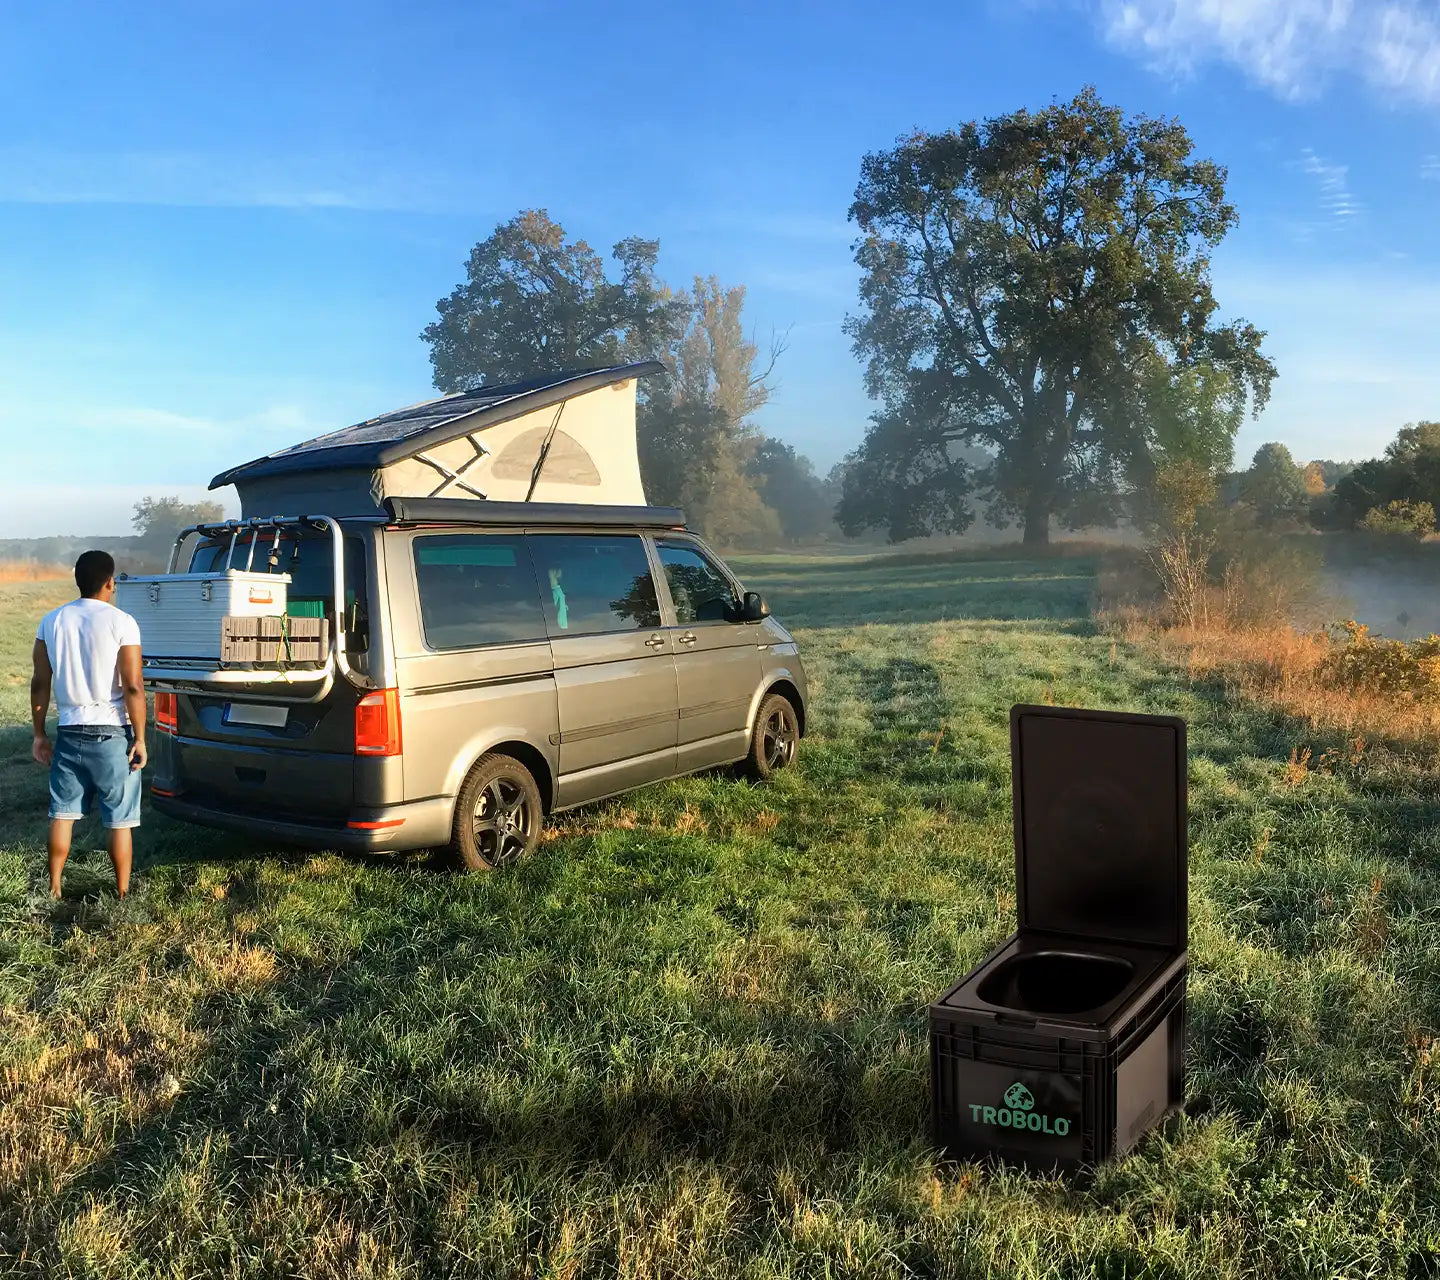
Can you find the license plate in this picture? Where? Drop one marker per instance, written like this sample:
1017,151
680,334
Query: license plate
256,713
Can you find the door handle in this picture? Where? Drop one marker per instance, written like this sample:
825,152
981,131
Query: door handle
655,642
687,638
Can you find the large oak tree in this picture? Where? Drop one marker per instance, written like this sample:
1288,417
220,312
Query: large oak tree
1037,287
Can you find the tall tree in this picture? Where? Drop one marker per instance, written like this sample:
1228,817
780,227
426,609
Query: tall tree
534,301
1038,285
695,432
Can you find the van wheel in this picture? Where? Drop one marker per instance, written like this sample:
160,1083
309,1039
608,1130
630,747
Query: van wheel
776,738
498,814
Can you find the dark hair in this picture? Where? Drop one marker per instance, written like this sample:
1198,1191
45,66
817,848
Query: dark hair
93,570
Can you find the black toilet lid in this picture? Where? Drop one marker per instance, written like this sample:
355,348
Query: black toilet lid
1100,824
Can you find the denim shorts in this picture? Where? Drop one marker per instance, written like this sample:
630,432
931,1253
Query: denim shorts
92,765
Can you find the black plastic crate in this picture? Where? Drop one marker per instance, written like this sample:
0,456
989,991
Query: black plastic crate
1057,1096
1067,1043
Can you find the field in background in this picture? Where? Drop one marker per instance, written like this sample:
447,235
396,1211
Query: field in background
688,1037
27,571
1391,585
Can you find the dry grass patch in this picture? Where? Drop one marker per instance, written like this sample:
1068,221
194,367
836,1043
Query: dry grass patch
58,1107
236,966
27,571
1295,672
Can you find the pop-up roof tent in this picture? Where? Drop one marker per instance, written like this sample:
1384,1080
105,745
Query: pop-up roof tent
563,437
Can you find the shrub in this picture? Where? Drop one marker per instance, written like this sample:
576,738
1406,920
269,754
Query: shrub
1267,580
1402,518
1392,668
1183,565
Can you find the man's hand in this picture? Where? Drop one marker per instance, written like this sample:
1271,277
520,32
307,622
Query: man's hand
42,751
139,757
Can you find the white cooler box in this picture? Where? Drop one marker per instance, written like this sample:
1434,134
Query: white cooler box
181,615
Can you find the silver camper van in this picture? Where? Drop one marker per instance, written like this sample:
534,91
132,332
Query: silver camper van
448,667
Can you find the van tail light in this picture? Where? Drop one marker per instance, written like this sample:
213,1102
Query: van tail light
167,715
377,724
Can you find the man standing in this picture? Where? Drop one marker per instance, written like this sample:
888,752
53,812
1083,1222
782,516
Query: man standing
90,652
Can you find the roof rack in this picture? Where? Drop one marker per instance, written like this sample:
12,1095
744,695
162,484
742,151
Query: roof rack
169,673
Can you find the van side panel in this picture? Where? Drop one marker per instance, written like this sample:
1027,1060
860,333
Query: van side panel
457,704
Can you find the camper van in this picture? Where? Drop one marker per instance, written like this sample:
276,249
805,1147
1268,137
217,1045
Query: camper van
446,666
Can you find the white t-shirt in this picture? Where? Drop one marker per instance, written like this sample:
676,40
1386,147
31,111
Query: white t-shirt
83,639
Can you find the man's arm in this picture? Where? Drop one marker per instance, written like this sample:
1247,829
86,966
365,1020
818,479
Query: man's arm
132,685
40,701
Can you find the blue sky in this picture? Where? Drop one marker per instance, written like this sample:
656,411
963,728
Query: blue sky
223,225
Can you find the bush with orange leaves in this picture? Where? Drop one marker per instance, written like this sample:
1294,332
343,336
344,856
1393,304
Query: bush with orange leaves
1375,665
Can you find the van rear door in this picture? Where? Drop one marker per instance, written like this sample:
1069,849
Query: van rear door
249,752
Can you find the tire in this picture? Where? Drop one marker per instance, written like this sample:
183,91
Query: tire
498,814
776,739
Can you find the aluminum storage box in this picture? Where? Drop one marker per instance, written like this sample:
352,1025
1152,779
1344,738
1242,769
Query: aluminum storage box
181,615
1066,1044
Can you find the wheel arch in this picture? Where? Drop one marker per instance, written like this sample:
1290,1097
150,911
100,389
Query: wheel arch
783,686
527,754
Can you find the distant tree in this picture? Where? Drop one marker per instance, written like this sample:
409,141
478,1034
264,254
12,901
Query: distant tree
534,301
157,520
1409,471
789,485
1038,285
696,435
1405,519
1313,476
1274,488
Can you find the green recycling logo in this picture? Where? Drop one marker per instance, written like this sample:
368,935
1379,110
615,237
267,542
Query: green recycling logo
1019,1113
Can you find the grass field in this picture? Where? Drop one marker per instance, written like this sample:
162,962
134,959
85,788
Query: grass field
688,1037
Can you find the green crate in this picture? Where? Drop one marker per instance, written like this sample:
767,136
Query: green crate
306,608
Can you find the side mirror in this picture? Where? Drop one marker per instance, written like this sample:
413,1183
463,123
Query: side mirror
753,607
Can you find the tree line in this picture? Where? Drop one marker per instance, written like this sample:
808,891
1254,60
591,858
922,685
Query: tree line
1036,324
1396,493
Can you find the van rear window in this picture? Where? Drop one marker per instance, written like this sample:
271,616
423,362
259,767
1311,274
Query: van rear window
477,589
309,560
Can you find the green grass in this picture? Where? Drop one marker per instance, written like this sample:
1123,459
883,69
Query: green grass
688,1037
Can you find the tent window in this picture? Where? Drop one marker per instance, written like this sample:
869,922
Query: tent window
566,463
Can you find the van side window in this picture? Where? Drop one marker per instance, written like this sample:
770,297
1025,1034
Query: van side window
699,589
593,583
476,589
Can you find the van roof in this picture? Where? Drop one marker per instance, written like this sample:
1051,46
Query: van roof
400,433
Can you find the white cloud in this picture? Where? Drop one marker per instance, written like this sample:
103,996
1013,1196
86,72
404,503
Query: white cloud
31,175
1430,168
1335,197
1292,47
